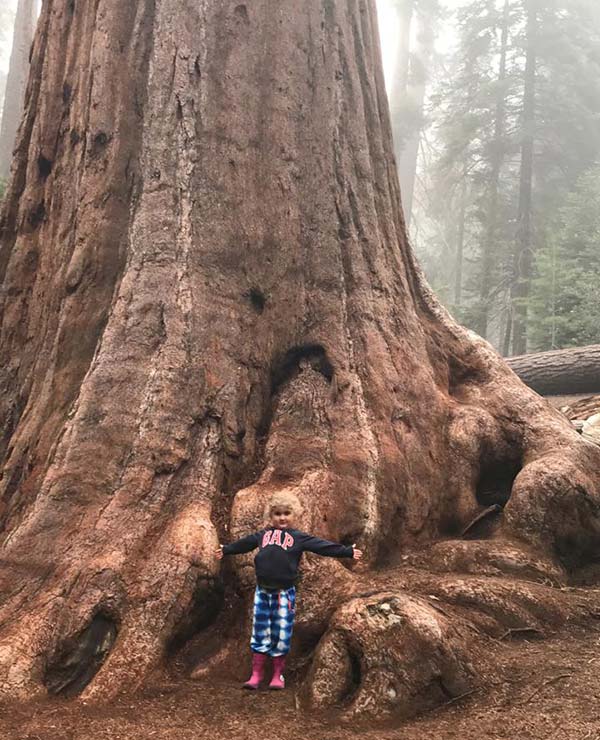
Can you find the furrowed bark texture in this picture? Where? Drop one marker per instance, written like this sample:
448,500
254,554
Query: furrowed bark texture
208,296
560,371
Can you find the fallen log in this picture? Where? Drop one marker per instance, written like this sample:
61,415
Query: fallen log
565,371
582,409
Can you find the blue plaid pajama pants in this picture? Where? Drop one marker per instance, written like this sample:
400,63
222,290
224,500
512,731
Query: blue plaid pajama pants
273,621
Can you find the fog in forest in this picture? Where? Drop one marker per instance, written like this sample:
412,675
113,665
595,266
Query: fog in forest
495,107
213,330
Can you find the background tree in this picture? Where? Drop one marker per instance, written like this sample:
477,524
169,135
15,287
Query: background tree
207,296
416,22
6,31
24,25
524,146
565,298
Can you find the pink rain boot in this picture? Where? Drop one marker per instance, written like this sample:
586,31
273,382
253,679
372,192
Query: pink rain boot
278,681
258,668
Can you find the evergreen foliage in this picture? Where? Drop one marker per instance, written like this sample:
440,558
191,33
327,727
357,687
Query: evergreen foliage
469,203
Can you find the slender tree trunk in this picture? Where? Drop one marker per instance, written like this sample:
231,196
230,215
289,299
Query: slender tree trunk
497,150
399,88
524,243
16,80
208,296
507,330
420,63
460,242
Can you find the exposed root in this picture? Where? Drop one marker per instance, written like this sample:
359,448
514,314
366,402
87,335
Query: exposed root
489,558
556,506
390,653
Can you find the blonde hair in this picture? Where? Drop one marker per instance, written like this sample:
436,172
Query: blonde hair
283,500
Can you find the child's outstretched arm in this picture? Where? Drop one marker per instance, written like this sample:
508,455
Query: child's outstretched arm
246,544
330,549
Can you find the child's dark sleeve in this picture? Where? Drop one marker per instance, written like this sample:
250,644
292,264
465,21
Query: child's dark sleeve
325,547
246,544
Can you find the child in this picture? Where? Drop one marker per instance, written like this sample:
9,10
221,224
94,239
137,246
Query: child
280,549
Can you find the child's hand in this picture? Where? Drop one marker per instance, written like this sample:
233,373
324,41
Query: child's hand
219,553
356,554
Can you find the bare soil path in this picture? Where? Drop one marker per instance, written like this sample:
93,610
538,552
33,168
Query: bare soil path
545,690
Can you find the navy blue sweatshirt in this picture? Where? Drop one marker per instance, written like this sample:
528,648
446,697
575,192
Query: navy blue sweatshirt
280,551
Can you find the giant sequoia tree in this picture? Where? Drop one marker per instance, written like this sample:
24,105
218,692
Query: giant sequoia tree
208,296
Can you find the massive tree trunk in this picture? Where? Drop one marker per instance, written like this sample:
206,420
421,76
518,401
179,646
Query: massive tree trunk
560,372
16,80
208,296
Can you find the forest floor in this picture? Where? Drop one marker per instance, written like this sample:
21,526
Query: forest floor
543,690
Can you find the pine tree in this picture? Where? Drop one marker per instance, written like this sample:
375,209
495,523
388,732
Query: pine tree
565,301
516,111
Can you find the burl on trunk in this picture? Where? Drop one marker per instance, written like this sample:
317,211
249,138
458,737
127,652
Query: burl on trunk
208,295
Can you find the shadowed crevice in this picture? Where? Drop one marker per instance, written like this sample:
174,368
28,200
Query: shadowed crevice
291,363
206,604
80,658
496,478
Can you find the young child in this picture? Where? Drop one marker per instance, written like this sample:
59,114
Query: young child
280,549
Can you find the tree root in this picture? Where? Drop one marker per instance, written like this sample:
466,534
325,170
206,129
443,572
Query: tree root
392,653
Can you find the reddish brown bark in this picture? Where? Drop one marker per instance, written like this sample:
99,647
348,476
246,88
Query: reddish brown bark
208,295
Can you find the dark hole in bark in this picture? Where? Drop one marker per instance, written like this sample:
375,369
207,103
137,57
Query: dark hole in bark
71,6
44,166
37,215
450,525
66,93
241,12
496,478
74,137
306,641
99,142
257,299
79,658
461,373
355,677
290,365
207,602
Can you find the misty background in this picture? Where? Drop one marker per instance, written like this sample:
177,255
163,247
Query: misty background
495,110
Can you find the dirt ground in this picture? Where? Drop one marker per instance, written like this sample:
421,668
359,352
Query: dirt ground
543,690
